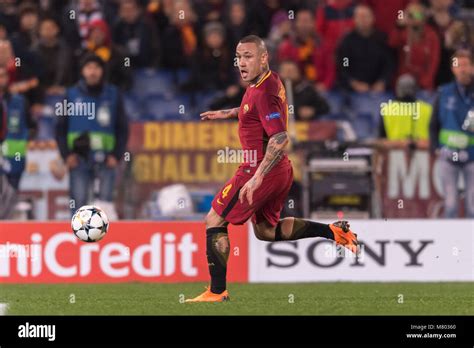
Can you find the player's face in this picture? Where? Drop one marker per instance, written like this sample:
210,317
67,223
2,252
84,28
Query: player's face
251,61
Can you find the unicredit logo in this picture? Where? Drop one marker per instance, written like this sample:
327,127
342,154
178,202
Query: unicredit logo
63,255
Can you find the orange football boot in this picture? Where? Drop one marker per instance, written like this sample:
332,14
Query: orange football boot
208,296
344,236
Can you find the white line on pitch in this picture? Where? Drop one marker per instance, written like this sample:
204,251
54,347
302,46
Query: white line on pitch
3,308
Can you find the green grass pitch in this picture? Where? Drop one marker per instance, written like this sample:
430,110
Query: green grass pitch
246,299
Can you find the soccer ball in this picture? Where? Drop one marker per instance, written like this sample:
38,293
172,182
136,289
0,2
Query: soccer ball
89,223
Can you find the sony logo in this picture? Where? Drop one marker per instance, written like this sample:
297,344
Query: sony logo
289,254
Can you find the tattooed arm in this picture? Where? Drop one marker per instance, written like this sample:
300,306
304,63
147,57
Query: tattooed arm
220,114
275,150
273,155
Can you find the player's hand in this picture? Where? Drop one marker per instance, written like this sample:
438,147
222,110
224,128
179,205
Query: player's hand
247,191
72,161
215,115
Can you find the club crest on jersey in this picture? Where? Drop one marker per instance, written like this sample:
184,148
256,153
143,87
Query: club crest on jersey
246,108
272,116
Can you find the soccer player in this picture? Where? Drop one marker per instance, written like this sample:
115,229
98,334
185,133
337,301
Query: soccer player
258,191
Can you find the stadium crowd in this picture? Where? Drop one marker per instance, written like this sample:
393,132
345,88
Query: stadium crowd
353,45
163,53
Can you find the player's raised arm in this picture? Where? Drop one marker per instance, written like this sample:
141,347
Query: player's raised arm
219,114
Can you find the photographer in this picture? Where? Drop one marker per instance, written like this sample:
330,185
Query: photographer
411,127
92,145
452,134
14,131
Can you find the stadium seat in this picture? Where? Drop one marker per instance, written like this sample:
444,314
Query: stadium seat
152,82
47,121
364,111
46,125
182,75
162,108
132,106
365,126
336,116
204,99
426,96
335,100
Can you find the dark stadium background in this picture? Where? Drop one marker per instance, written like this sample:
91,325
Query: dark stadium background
175,59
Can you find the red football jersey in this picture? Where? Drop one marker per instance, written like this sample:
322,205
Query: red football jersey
263,113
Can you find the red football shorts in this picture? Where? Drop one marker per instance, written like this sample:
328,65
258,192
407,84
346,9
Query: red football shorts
268,199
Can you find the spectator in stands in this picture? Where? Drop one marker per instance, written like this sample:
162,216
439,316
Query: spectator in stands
302,45
210,10
100,43
17,123
236,23
7,59
459,35
9,15
179,39
333,21
24,42
417,45
132,32
26,37
279,31
56,58
92,145
232,97
440,20
308,104
22,77
3,107
260,14
213,63
160,12
363,60
3,32
406,120
77,27
386,13
452,134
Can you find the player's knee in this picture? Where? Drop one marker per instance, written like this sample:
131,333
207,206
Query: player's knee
212,219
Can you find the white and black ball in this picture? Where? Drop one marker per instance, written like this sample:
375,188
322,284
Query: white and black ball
89,223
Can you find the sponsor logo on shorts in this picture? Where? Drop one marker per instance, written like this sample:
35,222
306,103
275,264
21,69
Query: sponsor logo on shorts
272,116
